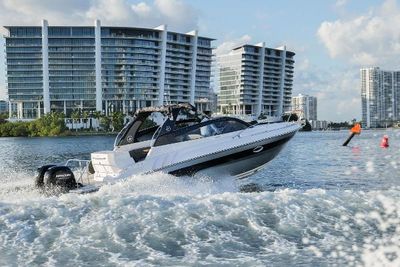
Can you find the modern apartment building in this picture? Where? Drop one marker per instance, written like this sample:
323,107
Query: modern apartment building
305,106
319,125
380,97
255,79
97,68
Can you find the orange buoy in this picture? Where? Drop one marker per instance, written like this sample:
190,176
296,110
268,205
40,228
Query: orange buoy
385,141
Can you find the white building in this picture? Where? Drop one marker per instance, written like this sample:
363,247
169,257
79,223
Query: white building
106,69
380,97
305,106
255,79
319,125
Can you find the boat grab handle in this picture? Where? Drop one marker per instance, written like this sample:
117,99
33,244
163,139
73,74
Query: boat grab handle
258,149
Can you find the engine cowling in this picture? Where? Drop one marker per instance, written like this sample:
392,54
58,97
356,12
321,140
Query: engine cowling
59,179
39,183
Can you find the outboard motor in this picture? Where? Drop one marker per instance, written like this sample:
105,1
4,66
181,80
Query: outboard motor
55,179
39,178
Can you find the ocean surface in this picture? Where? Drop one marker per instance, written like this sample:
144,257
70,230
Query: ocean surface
316,204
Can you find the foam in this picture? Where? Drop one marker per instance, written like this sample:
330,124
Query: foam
160,219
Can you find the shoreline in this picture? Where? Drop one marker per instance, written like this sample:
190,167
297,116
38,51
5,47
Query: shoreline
78,134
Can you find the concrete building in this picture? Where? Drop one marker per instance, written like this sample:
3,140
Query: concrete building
255,79
97,68
380,97
319,125
305,106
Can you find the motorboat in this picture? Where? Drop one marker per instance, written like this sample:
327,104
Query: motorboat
179,140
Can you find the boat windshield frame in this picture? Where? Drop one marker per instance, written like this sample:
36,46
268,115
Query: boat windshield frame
128,135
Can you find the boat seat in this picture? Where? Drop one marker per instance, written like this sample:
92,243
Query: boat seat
194,136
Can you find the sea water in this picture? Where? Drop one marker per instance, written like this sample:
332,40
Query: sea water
316,204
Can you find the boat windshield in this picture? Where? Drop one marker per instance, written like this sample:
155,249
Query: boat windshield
204,129
148,120
142,128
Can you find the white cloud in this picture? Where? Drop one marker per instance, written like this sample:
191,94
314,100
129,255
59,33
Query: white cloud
141,9
179,15
337,91
227,46
177,12
341,3
110,11
24,12
303,64
368,39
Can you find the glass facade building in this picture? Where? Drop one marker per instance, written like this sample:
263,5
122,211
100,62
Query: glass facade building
305,106
255,79
107,69
380,97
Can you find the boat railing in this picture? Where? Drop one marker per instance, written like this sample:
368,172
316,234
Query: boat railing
80,168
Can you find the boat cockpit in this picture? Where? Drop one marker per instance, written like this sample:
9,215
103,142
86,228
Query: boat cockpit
158,126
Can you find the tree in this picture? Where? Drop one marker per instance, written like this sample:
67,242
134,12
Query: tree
105,122
51,124
117,119
20,129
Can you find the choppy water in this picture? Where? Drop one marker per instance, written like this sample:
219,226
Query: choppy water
317,204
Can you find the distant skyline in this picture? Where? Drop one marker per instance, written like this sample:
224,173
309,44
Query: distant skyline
332,39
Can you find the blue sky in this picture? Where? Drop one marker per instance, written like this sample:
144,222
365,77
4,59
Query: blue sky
332,38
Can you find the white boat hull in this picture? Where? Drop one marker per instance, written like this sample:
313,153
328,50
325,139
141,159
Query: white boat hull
237,153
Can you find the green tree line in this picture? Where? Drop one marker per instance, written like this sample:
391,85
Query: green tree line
53,124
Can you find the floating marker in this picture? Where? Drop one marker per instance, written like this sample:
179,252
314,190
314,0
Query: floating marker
385,141
355,130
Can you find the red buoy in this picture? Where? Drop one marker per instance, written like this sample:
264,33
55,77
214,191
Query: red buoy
385,141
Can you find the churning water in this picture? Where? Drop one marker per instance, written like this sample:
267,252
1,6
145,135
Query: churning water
317,203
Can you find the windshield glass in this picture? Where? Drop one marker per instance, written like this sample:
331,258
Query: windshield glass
201,130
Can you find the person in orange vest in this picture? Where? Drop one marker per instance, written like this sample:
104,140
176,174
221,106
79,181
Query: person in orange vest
385,141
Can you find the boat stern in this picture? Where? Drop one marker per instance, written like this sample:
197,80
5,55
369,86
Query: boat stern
110,164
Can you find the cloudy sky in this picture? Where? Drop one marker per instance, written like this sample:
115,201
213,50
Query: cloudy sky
332,38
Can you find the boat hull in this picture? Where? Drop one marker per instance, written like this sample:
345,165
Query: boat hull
240,162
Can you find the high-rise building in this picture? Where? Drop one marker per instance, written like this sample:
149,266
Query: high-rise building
255,79
97,68
380,97
305,106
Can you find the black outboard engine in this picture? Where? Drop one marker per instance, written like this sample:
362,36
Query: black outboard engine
39,183
55,179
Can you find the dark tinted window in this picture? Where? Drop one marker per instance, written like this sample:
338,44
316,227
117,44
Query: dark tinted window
201,130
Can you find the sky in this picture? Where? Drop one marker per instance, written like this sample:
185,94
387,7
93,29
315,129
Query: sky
332,39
